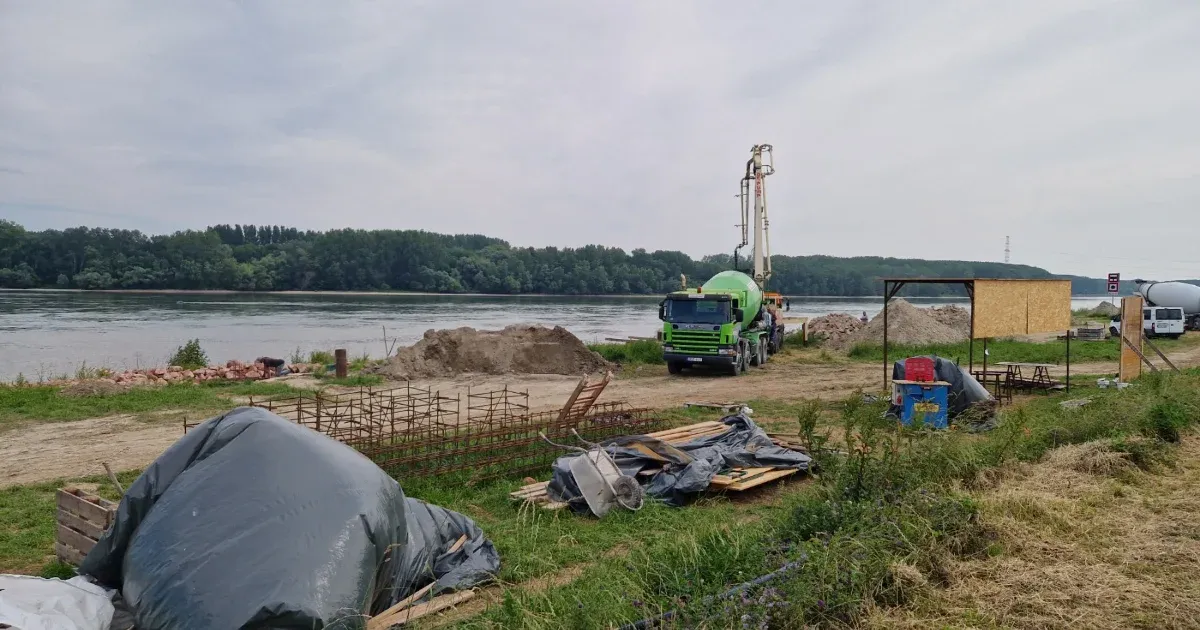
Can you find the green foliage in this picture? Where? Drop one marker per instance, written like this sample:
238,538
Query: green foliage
273,258
354,380
322,357
642,351
190,356
40,403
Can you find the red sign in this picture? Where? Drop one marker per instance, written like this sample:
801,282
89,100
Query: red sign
1114,283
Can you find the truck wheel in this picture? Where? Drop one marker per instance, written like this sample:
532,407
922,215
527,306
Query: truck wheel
756,355
674,367
762,353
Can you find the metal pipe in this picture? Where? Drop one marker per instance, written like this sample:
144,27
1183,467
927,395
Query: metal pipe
887,296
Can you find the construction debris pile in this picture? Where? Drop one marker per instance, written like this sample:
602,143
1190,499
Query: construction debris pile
251,520
834,326
517,349
232,371
908,324
675,465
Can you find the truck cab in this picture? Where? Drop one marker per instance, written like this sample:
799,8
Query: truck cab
1157,321
702,329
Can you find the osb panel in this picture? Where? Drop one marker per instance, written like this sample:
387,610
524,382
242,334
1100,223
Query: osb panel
1004,308
1131,363
1049,305
1000,308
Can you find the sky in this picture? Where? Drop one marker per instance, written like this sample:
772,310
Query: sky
924,128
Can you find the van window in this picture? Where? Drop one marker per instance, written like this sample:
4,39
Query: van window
1146,313
1168,314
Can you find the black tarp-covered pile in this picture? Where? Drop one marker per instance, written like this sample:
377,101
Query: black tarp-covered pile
252,520
687,469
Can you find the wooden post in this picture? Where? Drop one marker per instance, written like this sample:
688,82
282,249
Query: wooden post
339,361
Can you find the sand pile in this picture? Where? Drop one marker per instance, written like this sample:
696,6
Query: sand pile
834,327
518,349
955,317
907,324
1106,308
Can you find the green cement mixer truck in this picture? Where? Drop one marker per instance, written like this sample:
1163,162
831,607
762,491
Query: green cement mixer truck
723,323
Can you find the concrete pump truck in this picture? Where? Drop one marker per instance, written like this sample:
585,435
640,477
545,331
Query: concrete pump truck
726,323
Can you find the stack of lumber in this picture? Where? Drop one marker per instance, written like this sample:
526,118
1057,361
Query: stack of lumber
734,480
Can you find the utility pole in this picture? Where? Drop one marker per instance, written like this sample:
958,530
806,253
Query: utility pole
1007,251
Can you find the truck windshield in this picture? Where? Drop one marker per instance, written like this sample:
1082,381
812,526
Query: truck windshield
698,311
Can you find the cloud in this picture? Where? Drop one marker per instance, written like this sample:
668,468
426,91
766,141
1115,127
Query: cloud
928,128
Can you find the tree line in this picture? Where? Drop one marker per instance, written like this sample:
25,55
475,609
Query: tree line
277,258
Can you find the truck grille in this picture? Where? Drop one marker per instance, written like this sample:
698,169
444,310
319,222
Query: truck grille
695,341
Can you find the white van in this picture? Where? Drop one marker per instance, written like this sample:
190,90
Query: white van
1157,321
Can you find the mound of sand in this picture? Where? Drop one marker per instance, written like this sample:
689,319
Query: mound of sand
955,317
518,349
834,327
1106,308
907,324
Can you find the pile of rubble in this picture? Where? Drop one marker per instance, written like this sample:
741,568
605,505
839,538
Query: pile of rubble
834,327
232,371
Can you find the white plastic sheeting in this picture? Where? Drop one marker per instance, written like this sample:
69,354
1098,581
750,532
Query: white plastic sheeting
31,603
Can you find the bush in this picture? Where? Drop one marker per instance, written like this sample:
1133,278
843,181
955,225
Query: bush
320,356
190,356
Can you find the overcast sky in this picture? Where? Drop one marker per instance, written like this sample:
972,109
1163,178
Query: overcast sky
916,129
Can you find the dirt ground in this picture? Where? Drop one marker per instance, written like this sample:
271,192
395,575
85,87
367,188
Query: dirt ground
49,451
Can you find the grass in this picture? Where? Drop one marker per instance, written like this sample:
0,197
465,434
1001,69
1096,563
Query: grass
640,352
353,380
1010,350
40,403
878,530
27,525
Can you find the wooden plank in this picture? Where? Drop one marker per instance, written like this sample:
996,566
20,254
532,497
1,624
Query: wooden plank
555,505
434,605
761,479
383,619
72,538
69,500
69,555
85,527
737,475
708,424
458,544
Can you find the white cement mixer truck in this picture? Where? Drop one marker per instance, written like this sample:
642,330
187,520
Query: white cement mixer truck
1178,294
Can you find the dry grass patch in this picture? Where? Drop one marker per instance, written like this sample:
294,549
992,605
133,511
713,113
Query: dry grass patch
1085,540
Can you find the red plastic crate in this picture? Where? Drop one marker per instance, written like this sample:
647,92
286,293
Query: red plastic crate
919,369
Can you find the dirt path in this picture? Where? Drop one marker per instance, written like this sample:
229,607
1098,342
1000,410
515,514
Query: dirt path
44,452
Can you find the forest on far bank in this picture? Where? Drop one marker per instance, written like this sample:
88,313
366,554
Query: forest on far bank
276,258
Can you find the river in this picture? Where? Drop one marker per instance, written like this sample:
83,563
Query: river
49,333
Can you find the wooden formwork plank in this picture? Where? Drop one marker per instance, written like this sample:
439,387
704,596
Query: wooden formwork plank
68,554
778,473
72,538
81,525
75,501
737,475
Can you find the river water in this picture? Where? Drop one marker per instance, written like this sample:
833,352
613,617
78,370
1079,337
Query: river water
48,333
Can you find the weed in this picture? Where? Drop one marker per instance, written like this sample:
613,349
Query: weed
190,356
297,356
354,380
20,380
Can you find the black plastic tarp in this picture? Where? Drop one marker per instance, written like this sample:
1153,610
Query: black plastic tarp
685,470
964,392
251,520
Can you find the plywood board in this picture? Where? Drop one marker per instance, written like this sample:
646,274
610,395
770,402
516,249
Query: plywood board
1049,306
1004,308
1131,329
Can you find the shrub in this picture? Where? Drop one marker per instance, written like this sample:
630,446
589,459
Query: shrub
190,356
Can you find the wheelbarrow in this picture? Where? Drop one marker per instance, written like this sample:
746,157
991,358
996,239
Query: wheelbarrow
600,481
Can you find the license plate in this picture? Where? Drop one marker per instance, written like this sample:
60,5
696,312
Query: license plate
695,359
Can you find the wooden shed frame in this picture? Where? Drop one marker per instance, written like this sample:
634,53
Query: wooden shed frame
892,286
